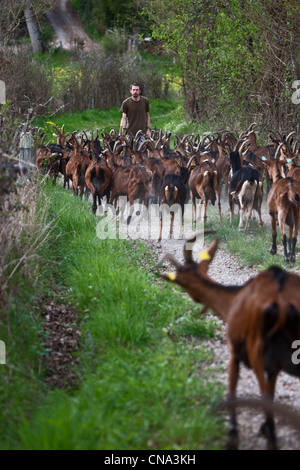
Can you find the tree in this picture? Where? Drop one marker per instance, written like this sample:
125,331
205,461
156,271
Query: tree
238,59
32,27
13,12
100,15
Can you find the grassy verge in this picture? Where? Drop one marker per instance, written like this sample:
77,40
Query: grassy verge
143,372
22,276
251,247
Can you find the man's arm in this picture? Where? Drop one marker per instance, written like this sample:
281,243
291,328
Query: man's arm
148,131
123,123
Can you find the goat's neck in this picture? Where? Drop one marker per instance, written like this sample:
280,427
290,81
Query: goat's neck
209,293
111,162
276,176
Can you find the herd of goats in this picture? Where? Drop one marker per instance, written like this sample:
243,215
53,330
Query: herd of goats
262,315
147,169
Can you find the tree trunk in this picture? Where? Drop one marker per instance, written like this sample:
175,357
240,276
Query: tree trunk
33,29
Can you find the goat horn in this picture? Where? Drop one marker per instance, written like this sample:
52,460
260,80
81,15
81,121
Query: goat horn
250,128
289,136
170,258
57,128
277,150
185,138
237,143
296,143
190,161
145,143
189,252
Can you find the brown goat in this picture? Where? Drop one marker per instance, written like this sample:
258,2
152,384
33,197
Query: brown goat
284,206
76,168
204,185
48,159
263,321
98,178
134,181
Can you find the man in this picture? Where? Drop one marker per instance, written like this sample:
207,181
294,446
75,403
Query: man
135,113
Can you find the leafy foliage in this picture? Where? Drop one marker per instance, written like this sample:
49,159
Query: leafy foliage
100,15
237,59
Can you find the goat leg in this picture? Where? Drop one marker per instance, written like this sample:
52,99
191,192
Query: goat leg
160,225
194,212
268,431
273,250
285,251
171,223
94,203
232,437
231,206
293,250
268,427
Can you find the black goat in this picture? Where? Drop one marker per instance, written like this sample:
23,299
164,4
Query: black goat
245,189
173,191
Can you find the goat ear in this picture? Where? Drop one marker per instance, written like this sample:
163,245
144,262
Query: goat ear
169,277
207,257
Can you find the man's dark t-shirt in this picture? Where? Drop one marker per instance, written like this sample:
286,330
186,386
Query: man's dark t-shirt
136,112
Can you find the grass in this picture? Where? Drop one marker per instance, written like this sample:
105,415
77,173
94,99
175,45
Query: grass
143,373
162,113
252,247
22,287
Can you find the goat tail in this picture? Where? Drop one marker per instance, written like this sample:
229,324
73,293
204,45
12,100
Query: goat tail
170,192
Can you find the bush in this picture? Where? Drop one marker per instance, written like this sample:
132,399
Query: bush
98,79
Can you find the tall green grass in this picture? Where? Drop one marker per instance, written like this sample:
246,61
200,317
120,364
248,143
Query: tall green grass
143,374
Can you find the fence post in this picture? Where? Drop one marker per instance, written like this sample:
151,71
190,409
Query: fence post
2,353
2,92
26,151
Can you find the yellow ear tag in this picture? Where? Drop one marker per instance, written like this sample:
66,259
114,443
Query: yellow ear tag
171,276
204,255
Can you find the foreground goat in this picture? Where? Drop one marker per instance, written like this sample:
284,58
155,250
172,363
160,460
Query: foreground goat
263,321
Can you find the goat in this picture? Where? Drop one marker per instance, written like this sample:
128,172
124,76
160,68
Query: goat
48,158
223,169
173,191
284,205
204,185
263,321
76,168
245,189
258,150
60,136
134,181
171,161
98,178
